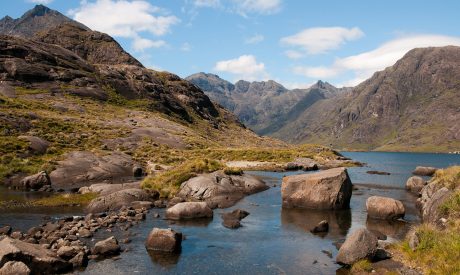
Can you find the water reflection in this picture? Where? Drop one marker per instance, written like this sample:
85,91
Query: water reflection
164,259
306,219
395,229
202,222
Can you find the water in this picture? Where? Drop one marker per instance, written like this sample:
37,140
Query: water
274,240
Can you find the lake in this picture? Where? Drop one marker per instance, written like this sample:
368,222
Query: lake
272,240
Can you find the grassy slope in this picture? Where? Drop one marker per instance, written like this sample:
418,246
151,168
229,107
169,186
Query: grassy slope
439,249
86,123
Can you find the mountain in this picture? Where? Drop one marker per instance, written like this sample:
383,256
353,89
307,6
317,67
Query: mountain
262,106
413,105
34,21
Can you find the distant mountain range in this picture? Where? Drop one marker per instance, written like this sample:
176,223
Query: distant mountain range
411,106
264,106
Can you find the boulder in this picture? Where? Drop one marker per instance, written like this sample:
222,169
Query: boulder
323,226
67,252
107,247
361,244
36,144
15,268
415,184
384,208
117,200
36,181
5,230
189,210
80,260
329,189
424,171
232,219
306,164
164,240
220,190
105,189
38,259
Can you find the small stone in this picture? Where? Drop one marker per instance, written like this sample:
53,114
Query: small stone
106,247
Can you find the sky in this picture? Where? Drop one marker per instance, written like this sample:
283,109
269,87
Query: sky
294,42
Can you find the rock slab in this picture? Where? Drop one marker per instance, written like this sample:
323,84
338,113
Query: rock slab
329,189
189,210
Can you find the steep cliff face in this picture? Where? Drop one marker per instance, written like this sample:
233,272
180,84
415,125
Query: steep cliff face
263,106
412,105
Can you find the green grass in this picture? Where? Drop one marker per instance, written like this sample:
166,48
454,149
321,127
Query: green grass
451,207
233,171
449,177
438,251
65,200
361,266
168,182
27,91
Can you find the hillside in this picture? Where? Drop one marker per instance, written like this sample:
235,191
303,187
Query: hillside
262,106
410,106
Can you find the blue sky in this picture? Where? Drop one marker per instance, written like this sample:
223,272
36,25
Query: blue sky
292,42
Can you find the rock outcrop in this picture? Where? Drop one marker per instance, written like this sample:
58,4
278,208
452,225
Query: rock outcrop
164,240
329,189
361,244
36,181
117,200
38,259
104,189
189,210
384,208
220,190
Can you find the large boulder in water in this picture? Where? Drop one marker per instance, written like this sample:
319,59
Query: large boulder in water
117,200
38,259
424,171
189,210
164,240
415,184
329,189
220,190
361,244
384,208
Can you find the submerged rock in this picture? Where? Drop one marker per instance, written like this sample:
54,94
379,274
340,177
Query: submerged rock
221,190
323,226
329,189
189,210
39,259
361,244
424,171
232,219
164,240
384,208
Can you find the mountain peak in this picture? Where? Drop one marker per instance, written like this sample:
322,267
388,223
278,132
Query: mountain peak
38,10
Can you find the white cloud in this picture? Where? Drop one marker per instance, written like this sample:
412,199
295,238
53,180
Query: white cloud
186,47
125,18
257,6
365,64
244,67
292,54
207,3
140,44
255,39
322,40
315,72
43,2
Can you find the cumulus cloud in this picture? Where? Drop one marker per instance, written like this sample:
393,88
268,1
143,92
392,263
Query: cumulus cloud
43,2
258,6
207,3
124,18
186,47
244,67
255,39
321,40
365,64
140,44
